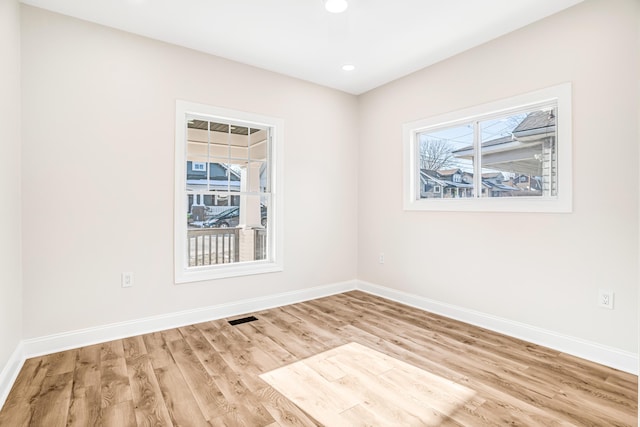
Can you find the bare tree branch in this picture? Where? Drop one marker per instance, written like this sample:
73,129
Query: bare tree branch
436,154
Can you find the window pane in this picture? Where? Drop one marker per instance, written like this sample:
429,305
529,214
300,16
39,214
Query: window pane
261,242
258,144
218,139
446,162
225,216
234,173
518,154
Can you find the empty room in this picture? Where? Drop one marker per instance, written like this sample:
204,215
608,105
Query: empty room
319,212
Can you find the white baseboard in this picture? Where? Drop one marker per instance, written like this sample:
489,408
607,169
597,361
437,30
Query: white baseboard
10,372
608,356
83,337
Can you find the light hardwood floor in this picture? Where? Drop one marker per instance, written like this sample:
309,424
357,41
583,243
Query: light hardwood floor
209,374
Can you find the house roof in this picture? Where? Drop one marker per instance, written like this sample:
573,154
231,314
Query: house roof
536,121
429,175
448,172
490,143
492,175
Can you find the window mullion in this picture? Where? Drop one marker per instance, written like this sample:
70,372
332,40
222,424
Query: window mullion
477,164
208,155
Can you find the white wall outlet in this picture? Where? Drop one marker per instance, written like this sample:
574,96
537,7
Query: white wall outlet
381,258
605,299
127,279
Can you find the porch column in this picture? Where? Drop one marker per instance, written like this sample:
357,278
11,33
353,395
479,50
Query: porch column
250,217
250,205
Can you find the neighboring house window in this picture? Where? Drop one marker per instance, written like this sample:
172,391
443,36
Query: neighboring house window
199,166
228,197
482,153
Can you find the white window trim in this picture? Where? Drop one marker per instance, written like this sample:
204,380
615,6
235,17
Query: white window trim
560,203
182,273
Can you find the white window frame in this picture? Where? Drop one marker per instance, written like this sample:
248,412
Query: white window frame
562,202
185,274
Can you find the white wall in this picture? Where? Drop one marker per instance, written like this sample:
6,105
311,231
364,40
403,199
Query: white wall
10,271
99,108
543,270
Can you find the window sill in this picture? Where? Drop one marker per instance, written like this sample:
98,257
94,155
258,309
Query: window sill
491,204
199,274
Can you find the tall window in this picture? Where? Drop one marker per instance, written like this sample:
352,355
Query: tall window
227,197
511,155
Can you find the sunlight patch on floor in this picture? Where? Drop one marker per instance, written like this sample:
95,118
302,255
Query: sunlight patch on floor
353,385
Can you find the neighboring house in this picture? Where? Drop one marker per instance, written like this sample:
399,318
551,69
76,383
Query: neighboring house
528,185
494,185
455,183
220,178
450,183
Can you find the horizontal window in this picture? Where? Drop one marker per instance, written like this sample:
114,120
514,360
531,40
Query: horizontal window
509,155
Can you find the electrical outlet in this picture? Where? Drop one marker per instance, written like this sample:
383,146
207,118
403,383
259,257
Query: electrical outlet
127,279
381,258
605,299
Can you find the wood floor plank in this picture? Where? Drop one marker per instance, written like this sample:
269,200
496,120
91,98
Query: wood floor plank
86,402
60,363
285,339
246,407
53,401
209,374
150,409
181,404
134,347
19,406
114,379
233,350
157,350
121,414
264,342
283,410
204,389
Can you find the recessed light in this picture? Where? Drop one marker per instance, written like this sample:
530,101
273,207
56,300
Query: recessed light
336,6
348,67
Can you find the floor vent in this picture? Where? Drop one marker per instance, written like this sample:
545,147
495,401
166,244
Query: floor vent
243,320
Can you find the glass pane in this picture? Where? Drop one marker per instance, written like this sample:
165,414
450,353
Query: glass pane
519,154
239,144
258,141
261,246
255,177
226,172
265,181
196,175
218,138
197,155
234,172
446,162
219,175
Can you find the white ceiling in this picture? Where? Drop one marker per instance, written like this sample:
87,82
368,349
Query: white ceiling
384,39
